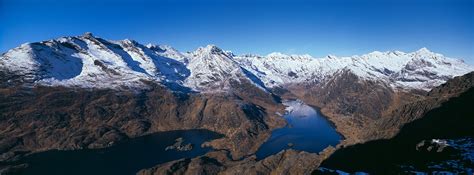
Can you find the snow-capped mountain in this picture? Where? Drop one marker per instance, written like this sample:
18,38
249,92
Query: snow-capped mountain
89,61
213,68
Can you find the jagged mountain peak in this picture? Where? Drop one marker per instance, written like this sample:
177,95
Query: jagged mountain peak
88,34
424,50
161,48
158,48
207,51
426,54
130,41
279,55
212,68
212,48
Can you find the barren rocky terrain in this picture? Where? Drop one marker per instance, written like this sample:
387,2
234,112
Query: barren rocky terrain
40,118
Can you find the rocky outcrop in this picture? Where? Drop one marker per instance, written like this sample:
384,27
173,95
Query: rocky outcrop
180,146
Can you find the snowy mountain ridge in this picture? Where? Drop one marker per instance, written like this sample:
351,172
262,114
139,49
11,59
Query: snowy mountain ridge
212,68
421,69
91,62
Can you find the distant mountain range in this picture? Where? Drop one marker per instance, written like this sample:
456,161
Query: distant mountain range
92,62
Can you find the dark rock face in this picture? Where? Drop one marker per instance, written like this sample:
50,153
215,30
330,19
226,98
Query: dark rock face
105,68
416,109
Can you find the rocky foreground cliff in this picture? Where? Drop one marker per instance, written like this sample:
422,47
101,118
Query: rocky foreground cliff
439,137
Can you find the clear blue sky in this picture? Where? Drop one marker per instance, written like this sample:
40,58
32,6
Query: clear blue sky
318,28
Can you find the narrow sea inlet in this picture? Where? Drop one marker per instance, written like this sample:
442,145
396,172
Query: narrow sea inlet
307,130
124,158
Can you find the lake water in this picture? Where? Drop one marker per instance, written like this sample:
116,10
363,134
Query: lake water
307,130
124,158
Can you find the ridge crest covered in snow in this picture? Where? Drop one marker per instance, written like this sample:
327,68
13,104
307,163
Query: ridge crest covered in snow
90,61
